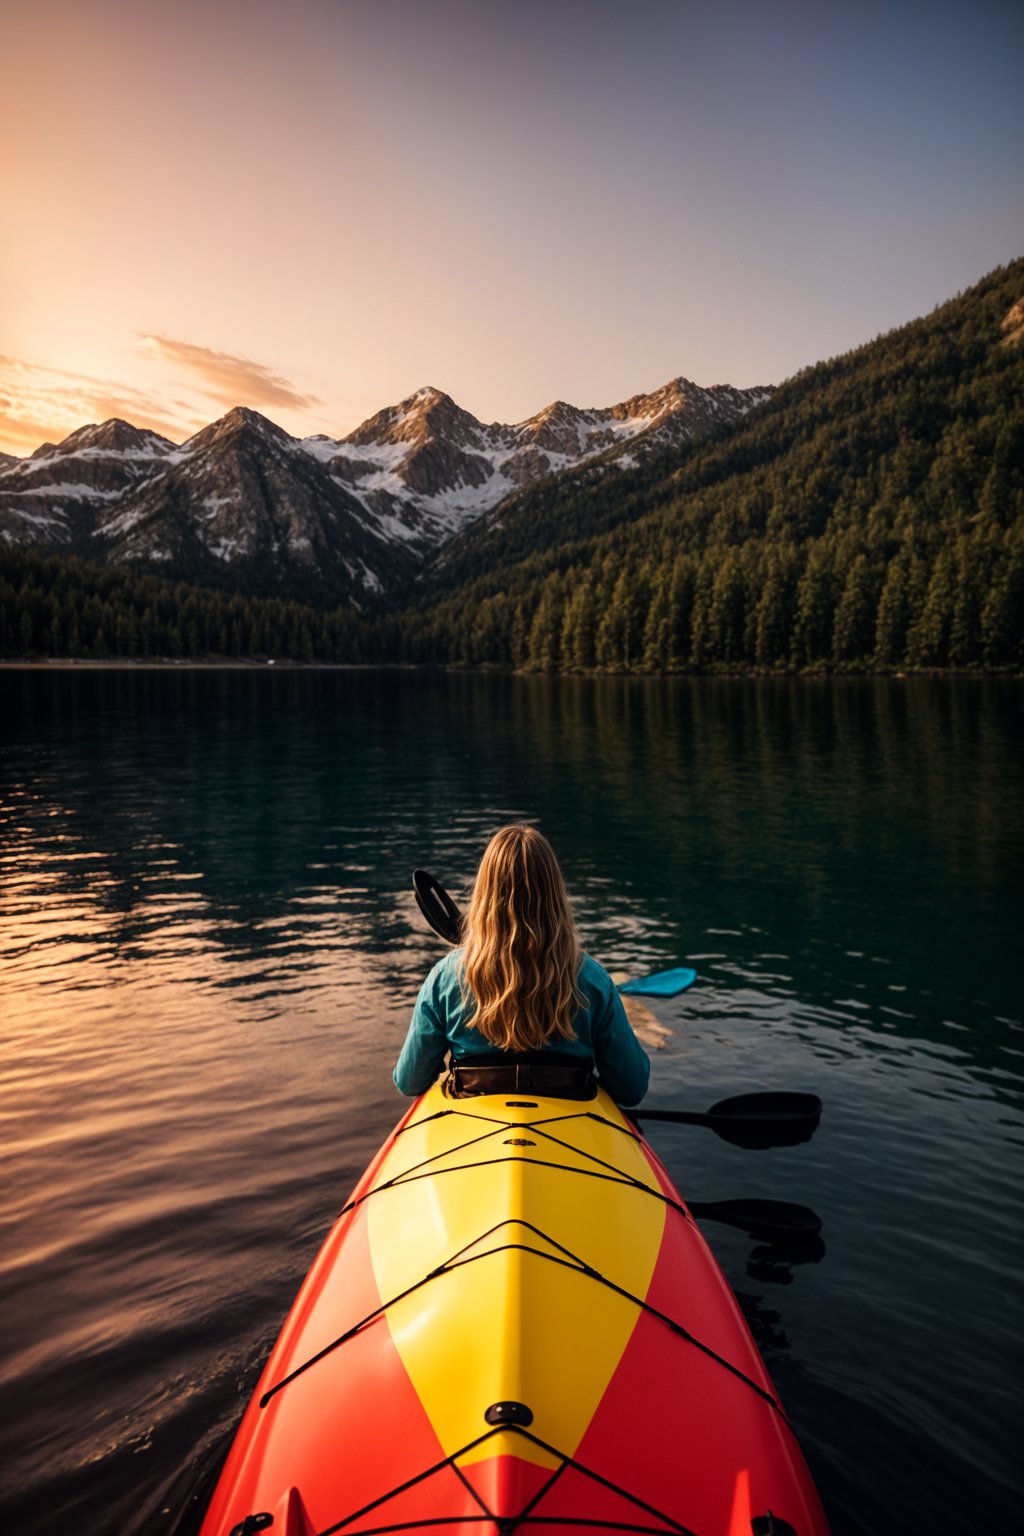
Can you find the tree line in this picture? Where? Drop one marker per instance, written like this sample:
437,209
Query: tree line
58,606
828,604
831,603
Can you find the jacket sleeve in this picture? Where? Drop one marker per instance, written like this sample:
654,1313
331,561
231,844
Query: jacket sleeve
622,1063
425,1045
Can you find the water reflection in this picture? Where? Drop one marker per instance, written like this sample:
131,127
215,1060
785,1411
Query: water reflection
225,803
766,1326
773,1263
210,948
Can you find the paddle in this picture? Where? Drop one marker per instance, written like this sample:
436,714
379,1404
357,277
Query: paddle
445,918
776,1219
437,906
752,1120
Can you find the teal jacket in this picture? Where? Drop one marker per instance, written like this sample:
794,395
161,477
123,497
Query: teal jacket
442,1022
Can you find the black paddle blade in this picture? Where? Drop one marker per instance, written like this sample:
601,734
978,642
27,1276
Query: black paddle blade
437,906
780,1220
753,1120
759,1120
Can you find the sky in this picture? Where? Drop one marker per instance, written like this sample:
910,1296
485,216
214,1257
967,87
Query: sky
316,207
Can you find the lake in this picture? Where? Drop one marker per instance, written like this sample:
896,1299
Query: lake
210,950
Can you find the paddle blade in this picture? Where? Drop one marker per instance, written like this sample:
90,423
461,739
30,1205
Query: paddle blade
775,1219
752,1120
661,984
760,1120
437,906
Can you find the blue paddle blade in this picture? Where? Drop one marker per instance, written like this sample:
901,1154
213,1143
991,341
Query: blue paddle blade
662,984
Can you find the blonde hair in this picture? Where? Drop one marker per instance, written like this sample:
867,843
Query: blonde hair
522,955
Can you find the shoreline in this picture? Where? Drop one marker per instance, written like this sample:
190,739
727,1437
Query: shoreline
168,664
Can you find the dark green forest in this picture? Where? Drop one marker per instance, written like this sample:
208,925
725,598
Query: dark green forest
55,606
868,517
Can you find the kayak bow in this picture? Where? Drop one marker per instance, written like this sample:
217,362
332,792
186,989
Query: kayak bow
515,1323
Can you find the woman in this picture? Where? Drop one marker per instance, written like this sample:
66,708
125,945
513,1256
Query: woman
519,1006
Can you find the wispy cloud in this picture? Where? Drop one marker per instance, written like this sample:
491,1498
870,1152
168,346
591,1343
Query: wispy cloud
40,404
229,378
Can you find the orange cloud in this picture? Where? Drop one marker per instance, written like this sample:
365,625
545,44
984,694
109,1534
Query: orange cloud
230,379
40,404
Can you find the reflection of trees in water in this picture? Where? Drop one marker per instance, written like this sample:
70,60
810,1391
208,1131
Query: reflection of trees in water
855,810
752,760
845,814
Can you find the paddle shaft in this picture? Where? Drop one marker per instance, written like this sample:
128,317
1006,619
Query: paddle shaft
674,1116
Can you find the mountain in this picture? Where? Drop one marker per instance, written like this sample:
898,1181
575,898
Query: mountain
53,496
434,468
240,498
244,504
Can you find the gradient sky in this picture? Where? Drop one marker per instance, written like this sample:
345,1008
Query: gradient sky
315,207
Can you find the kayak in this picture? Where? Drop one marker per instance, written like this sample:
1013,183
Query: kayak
514,1323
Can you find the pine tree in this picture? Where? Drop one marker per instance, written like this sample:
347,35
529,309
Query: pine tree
579,626
853,635
928,638
544,638
1002,613
812,631
773,614
893,613
681,613
657,634
728,611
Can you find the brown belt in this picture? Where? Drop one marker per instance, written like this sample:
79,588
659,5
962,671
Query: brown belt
557,1080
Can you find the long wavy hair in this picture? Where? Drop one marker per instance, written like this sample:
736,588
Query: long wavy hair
522,955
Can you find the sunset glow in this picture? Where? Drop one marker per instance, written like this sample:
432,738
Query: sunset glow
316,208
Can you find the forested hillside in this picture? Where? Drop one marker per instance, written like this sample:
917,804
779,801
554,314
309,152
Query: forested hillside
869,516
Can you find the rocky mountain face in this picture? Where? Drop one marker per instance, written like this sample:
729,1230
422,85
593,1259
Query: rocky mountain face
1013,324
430,467
54,495
244,502
241,497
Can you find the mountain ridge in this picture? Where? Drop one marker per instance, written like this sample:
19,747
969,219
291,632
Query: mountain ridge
348,517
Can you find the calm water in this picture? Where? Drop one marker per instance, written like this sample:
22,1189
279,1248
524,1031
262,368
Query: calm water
210,950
